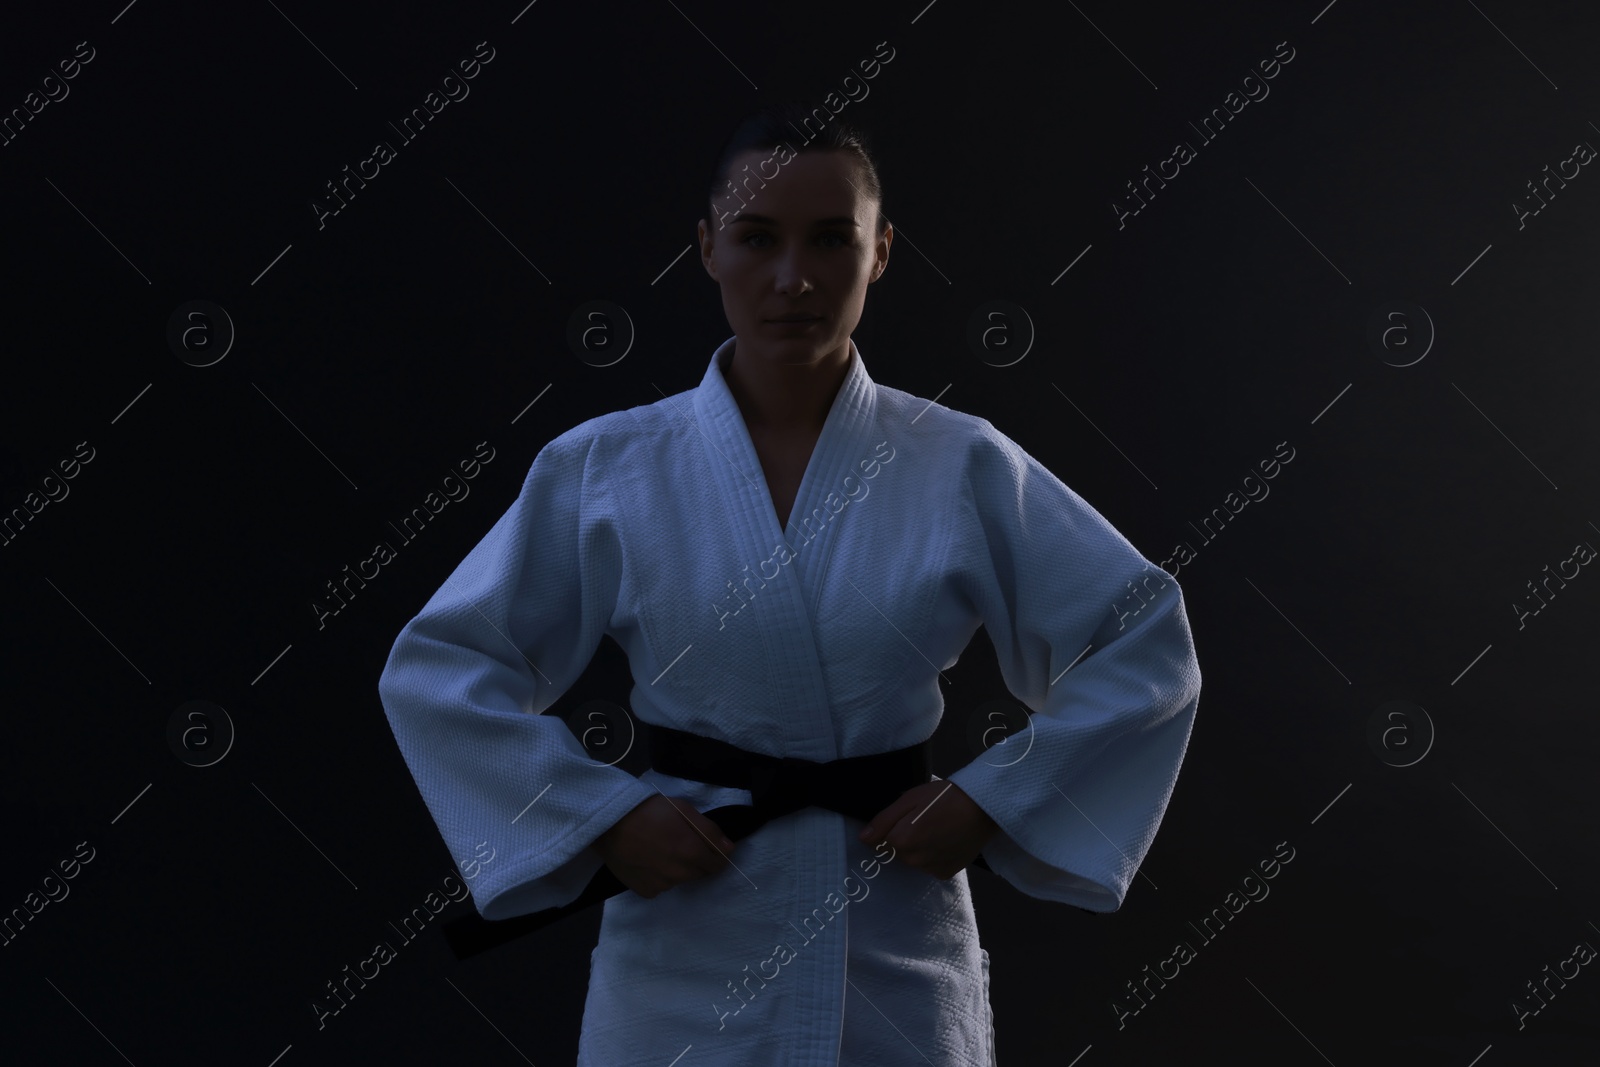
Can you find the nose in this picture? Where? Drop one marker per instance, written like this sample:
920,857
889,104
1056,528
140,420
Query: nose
793,274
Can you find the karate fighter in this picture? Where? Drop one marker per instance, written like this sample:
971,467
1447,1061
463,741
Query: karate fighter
790,554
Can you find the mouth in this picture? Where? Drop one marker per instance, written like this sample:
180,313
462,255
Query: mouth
798,318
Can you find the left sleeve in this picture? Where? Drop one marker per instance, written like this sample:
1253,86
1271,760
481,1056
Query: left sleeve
468,679
1093,638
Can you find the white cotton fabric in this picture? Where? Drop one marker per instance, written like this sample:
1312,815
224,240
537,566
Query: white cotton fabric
914,524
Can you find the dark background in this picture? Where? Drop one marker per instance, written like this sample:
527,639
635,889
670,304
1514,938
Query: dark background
1233,313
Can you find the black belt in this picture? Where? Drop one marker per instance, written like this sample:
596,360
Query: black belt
858,786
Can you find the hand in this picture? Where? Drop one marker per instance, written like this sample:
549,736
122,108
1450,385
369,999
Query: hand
941,840
663,841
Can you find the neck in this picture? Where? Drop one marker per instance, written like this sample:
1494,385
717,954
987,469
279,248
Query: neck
786,398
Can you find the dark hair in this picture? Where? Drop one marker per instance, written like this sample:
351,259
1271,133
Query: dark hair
781,124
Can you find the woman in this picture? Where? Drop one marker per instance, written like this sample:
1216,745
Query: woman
848,539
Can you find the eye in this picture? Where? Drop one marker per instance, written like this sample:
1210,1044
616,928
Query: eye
842,238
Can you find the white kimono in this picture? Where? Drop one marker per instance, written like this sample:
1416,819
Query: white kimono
914,524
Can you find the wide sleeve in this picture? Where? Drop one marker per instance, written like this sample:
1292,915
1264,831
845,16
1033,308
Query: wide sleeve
1094,639
507,634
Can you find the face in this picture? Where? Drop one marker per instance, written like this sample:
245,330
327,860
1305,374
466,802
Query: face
804,243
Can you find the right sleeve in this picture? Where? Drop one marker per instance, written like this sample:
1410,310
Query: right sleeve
1114,693
507,634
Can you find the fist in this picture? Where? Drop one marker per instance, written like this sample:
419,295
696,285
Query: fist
662,842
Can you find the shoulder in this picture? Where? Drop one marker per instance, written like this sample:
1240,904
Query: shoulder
967,444
623,439
922,421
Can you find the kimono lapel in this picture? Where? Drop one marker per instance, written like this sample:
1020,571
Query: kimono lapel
798,709
845,440
785,617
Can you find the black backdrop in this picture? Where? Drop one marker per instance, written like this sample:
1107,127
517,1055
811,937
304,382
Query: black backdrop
1354,266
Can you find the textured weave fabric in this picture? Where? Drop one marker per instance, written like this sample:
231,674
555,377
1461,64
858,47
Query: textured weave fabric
914,525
